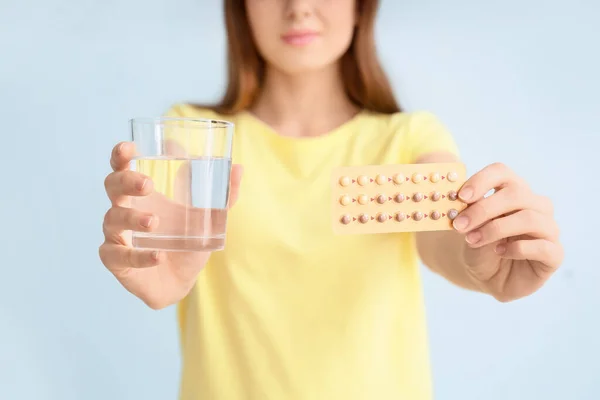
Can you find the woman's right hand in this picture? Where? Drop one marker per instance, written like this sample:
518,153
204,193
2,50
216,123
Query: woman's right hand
157,278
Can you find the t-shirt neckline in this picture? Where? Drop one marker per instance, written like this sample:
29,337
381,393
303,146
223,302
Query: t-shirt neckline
331,135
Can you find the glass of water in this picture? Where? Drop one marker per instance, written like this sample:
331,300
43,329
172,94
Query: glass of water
189,163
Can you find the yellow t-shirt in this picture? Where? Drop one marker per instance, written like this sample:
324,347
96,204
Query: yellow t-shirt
290,310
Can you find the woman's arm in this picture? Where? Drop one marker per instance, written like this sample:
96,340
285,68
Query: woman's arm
442,251
506,245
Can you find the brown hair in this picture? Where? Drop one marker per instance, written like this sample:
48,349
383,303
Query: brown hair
365,81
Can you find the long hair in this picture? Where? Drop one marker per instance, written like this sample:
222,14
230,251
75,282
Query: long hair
365,82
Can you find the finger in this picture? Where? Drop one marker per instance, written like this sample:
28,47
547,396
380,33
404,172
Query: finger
119,219
504,201
544,251
121,156
127,183
525,222
494,176
118,257
234,183
544,205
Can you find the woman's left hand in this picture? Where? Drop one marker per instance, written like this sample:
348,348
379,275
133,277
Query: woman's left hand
511,238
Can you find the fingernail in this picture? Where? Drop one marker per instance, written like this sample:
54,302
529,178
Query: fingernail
461,222
500,249
146,221
120,148
140,185
473,237
465,193
155,255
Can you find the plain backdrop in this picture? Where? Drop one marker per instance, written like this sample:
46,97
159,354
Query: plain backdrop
516,81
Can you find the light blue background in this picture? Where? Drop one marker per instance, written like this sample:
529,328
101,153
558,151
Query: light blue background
516,81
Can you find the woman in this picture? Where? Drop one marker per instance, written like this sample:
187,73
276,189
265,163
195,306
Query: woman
288,310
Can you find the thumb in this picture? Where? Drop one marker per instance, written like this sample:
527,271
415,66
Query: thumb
181,190
235,181
174,149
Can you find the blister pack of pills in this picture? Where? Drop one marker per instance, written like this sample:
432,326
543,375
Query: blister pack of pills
396,198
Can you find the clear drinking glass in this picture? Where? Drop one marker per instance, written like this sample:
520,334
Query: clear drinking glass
189,162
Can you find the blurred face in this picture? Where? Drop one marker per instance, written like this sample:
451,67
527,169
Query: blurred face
298,36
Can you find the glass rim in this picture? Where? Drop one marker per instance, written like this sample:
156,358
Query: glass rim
205,122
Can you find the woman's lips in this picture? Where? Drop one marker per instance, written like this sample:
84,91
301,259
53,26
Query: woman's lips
300,38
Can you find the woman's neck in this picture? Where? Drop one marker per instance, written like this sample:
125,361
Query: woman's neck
305,104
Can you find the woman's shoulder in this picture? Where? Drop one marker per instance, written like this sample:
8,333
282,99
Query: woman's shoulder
420,132
405,121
